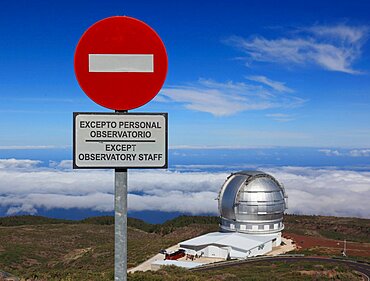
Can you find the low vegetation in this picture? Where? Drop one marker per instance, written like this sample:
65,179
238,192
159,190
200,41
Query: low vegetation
337,228
276,271
41,248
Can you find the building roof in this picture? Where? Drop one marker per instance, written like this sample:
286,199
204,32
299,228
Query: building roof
232,239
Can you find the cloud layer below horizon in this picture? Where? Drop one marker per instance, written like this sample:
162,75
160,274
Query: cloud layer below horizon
25,187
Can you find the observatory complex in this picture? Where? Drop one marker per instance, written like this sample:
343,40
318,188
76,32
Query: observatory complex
251,206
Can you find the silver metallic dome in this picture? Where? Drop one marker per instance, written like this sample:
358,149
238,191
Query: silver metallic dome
252,202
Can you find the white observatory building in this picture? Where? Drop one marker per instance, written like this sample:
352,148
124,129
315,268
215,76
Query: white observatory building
251,206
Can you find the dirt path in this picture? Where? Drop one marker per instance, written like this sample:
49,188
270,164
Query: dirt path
289,246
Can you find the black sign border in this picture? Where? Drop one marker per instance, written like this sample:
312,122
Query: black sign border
75,114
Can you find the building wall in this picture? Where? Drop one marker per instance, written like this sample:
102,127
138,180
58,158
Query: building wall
213,251
257,251
216,251
258,227
278,240
237,254
261,250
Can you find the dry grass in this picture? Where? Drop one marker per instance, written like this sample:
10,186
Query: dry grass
82,251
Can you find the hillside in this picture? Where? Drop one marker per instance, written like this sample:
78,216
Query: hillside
50,249
338,228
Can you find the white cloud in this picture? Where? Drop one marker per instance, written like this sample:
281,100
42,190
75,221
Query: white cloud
64,164
30,202
18,164
23,208
352,153
276,85
222,99
359,153
334,48
341,32
199,147
281,117
26,147
326,191
310,190
200,202
330,152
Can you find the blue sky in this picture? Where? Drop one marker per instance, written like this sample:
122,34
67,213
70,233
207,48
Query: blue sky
288,81
241,73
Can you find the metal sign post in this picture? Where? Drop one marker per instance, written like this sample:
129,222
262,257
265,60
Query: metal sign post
120,222
120,225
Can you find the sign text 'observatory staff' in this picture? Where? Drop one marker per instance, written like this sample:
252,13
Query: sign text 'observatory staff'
108,140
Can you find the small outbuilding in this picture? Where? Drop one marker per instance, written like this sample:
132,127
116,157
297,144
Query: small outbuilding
230,245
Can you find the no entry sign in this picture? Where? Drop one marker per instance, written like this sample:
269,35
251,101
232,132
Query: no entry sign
120,63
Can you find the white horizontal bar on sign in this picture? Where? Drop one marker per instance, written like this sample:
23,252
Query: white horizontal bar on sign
120,63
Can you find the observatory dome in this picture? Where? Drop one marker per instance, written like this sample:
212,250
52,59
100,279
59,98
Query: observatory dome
252,202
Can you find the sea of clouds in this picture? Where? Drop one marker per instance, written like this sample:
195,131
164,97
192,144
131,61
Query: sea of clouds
26,186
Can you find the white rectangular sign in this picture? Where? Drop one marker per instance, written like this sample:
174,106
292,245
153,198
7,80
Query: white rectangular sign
121,63
120,140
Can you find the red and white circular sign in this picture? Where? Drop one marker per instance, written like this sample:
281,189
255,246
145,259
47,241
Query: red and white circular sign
120,63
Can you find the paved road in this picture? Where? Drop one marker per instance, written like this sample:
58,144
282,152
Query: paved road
361,267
